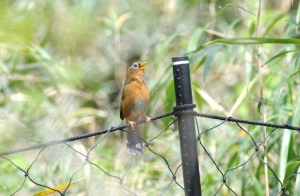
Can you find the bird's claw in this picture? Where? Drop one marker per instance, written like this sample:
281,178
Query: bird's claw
148,120
132,124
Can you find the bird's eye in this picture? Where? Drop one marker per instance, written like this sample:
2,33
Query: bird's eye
135,66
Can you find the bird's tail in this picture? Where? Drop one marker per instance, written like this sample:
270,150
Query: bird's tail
134,141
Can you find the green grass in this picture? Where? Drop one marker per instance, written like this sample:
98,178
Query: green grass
63,65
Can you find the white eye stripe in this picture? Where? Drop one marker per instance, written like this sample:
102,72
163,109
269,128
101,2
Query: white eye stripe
134,66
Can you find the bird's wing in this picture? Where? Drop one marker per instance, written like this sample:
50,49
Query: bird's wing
122,104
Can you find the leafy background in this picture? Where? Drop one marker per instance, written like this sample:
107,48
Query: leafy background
63,65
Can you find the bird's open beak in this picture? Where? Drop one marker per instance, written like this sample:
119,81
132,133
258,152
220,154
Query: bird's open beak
142,65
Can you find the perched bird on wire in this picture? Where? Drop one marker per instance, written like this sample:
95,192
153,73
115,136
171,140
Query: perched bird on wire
133,105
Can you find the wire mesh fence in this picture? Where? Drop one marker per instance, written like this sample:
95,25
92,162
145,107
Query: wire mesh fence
29,178
88,171
119,183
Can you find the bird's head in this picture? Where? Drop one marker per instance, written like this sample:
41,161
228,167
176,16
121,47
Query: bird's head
137,69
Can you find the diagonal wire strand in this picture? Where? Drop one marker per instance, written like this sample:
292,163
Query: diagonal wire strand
178,111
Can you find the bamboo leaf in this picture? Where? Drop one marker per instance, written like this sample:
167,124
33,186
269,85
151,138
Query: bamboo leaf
259,107
293,74
253,40
271,26
279,55
290,83
208,62
237,6
285,143
243,95
193,41
297,184
257,185
211,102
290,169
248,41
58,188
293,23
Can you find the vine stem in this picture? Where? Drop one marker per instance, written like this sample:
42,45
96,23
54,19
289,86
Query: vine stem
263,105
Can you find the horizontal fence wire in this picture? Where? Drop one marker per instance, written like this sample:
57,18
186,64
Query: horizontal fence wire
173,171
83,136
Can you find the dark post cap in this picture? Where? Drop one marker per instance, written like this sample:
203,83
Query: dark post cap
180,58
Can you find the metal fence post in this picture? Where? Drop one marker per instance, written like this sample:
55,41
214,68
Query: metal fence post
186,124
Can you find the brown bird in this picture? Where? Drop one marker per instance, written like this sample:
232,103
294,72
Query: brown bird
133,105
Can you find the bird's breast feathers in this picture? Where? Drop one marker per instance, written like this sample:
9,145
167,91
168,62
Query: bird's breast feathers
139,106
135,100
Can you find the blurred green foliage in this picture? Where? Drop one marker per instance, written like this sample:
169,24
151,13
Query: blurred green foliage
63,65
